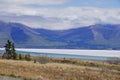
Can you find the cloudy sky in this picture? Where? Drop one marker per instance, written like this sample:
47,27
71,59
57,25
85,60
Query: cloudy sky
60,14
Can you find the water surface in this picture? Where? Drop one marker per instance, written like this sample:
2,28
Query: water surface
71,53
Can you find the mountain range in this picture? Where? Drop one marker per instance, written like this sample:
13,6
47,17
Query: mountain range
98,36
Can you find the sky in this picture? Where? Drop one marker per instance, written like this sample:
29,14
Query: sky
60,14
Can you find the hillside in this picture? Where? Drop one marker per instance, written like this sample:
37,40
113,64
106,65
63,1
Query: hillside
98,36
23,36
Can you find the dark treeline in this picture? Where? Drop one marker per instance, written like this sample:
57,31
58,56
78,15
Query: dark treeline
10,53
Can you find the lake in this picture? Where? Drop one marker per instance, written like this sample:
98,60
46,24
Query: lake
71,53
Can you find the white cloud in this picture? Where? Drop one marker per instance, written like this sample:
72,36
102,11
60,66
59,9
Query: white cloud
39,2
54,18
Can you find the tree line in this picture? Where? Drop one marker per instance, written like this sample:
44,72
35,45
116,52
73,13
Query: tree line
10,53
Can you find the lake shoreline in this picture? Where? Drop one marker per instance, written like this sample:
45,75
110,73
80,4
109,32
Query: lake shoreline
70,53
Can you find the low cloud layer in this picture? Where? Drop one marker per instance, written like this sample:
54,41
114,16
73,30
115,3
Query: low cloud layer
38,2
56,18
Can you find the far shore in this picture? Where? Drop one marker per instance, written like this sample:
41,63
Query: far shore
101,53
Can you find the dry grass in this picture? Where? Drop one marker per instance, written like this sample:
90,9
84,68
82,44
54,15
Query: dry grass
56,71
78,62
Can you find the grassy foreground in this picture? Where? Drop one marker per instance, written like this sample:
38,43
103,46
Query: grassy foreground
59,69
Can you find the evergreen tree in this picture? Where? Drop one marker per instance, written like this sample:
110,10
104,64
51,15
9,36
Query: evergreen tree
27,57
10,51
20,57
14,51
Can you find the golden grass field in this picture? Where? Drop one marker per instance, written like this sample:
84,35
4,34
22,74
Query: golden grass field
81,70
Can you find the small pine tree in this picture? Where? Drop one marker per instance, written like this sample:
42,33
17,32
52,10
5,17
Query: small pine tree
14,54
20,57
27,57
10,50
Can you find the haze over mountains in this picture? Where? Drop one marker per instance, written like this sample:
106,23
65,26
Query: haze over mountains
98,36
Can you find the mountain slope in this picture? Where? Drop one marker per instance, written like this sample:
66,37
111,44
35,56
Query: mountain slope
99,36
23,36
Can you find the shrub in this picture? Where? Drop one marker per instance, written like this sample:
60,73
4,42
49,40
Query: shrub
28,57
20,57
113,60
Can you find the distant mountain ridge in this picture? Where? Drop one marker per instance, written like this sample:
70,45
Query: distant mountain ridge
98,36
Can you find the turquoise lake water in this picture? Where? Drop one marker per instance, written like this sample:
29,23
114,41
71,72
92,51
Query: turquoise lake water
62,55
